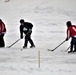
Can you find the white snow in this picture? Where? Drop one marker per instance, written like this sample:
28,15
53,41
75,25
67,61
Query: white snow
49,18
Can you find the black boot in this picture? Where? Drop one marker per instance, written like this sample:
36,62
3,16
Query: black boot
24,47
71,48
70,51
32,46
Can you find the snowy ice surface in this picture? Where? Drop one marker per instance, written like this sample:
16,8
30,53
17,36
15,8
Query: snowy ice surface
49,18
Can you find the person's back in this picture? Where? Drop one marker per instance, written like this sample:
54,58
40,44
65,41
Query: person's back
2,27
2,32
29,25
72,30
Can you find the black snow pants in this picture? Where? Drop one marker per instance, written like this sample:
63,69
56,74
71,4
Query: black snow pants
28,38
73,44
2,43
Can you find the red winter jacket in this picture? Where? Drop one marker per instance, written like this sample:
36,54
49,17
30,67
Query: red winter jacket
71,31
2,28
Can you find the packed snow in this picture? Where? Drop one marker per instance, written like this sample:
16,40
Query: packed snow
49,18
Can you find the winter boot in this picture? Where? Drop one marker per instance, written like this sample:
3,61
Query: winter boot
70,51
32,46
24,47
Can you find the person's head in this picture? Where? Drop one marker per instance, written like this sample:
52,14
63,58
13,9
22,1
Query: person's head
0,20
68,23
22,21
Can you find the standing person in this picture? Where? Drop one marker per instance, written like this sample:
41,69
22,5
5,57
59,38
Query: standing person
2,33
71,32
26,28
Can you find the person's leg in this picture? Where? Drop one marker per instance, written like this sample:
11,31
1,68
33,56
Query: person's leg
25,42
74,45
30,41
71,45
2,43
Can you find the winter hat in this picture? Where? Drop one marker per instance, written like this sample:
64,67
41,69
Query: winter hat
22,21
68,23
0,20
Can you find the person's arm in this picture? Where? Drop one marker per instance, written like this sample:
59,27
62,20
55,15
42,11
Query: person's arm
68,35
21,32
3,29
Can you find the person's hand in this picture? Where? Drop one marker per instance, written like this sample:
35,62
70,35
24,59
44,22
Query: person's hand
21,37
66,39
1,34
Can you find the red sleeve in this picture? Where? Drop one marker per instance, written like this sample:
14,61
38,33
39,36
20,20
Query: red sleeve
68,33
3,30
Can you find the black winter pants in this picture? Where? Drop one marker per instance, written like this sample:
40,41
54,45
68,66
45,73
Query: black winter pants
28,38
2,44
73,44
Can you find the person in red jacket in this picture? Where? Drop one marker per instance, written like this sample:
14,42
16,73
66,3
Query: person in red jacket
2,32
71,32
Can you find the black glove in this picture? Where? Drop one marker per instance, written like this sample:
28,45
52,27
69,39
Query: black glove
21,37
1,35
66,39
